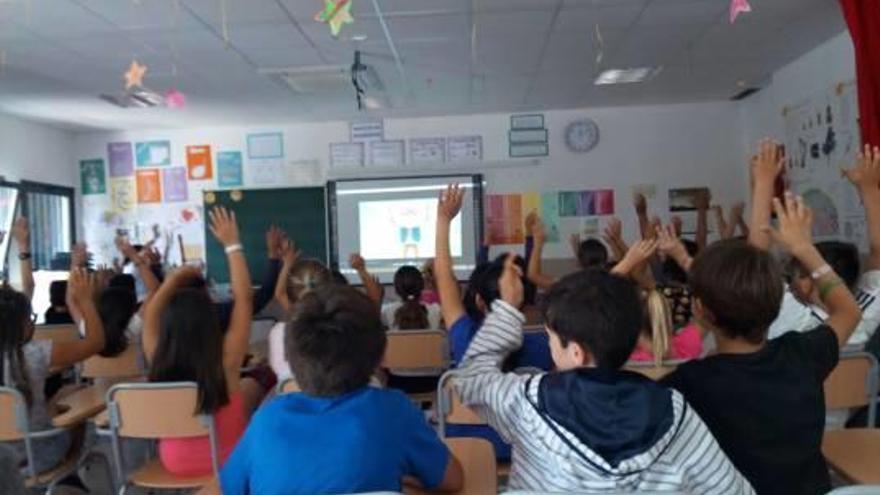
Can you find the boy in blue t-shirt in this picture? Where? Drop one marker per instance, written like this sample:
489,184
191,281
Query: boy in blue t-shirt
339,435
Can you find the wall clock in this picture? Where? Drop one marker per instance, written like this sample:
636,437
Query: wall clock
581,136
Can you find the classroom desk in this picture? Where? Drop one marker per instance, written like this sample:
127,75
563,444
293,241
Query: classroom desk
81,405
854,453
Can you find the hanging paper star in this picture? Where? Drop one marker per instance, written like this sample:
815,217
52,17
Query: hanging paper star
737,7
135,75
175,99
336,13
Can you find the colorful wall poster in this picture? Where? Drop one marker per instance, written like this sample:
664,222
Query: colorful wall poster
174,184
121,159
586,204
199,163
229,169
153,153
122,195
265,145
550,215
149,187
504,220
568,203
531,202
603,202
91,173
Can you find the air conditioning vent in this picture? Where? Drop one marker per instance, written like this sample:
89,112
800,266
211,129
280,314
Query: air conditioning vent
323,79
136,98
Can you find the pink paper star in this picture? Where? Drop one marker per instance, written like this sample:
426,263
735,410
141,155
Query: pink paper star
175,99
737,7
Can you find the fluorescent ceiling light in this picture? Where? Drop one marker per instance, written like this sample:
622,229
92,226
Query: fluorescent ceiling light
626,76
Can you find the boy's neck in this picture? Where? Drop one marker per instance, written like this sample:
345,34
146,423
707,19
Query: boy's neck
726,345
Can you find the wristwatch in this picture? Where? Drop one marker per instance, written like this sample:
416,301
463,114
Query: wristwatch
24,256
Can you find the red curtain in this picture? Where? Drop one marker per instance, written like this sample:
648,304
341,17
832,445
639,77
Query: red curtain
863,19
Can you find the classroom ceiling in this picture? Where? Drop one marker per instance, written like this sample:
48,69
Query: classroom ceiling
455,56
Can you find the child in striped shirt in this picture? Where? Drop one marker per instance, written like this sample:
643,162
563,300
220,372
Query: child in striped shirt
590,426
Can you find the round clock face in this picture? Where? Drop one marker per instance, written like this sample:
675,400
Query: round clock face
582,136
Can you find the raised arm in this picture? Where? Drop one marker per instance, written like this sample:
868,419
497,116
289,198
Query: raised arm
78,257
641,205
22,235
795,235
276,241
534,272
451,306
143,264
865,176
766,166
613,236
371,285
724,229
82,287
703,200
152,311
638,254
235,345
288,258
671,245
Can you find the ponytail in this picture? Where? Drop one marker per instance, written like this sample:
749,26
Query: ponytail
409,284
660,319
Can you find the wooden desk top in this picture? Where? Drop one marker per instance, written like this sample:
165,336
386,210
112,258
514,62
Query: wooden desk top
854,453
81,405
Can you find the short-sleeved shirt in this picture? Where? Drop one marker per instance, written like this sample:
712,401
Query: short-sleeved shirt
797,316
389,310
365,441
767,408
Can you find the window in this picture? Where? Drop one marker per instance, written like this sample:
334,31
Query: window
49,210
8,198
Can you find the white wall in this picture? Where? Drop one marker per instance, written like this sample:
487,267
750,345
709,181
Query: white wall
36,152
670,146
823,67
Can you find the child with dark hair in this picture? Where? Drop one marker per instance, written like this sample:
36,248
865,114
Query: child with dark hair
332,429
25,363
763,399
559,423
57,314
183,341
590,254
409,313
803,308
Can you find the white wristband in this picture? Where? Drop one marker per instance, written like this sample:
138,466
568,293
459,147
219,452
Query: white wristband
233,248
821,271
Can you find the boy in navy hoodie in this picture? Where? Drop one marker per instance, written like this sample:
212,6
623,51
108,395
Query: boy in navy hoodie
589,426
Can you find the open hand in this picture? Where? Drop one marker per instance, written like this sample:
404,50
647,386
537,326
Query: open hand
275,242
78,255
794,232
767,164
450,202
865,174
289,252
81,286
224,226
669,243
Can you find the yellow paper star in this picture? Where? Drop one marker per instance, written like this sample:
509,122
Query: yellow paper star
135,75
336,13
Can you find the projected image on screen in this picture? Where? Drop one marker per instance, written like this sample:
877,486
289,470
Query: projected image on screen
402,229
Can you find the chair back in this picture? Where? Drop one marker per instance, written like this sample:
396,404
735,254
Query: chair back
450,409
157,410
260,329
57,333
853,383
133,407
124,365
13,415
415,349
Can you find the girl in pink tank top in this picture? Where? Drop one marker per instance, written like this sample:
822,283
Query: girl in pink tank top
658,341
184,342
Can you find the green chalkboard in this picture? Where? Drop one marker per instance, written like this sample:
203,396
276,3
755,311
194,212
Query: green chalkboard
301,212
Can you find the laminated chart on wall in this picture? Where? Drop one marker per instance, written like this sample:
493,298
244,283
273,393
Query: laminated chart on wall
821,137
153,153
504,219
120,157
199,163
92,178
